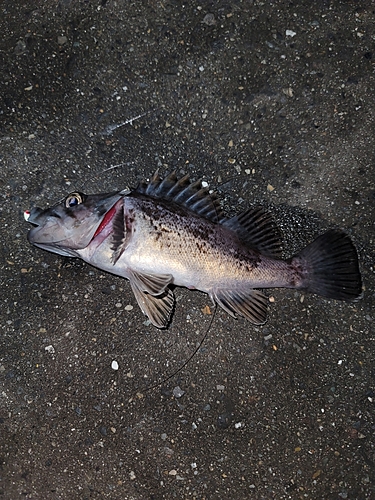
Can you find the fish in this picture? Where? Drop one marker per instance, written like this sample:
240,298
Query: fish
171,231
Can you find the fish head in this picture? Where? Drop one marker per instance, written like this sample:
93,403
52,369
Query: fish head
71,224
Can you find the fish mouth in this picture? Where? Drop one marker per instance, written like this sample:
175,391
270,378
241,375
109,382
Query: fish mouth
30,216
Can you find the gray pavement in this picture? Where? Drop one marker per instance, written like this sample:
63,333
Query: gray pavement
269,102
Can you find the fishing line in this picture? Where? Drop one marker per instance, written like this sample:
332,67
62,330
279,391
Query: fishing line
158,384
111,128
108,131
97,176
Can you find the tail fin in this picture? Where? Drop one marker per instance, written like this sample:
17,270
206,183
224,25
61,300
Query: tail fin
329,267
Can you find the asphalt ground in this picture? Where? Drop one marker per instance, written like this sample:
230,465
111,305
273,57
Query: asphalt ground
270,103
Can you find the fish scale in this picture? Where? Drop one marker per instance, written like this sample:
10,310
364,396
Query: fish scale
202,254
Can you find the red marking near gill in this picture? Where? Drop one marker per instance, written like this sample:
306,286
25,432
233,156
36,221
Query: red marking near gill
106,220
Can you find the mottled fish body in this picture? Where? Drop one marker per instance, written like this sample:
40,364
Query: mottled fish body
171,231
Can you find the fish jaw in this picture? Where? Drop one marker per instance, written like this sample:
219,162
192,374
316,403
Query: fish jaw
66,229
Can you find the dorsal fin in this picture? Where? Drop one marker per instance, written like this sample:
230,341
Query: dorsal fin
184,192
256,228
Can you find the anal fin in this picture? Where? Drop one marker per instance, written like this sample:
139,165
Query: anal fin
248,303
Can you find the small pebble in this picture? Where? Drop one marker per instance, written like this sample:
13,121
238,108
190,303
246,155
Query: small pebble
114,365
316,474
206,310
288,91
20,47
129,307
178,392
224,420
209,19
61,40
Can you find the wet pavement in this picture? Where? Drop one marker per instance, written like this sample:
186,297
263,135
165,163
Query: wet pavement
270,103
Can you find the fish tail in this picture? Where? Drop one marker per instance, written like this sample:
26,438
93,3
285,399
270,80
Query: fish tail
329,267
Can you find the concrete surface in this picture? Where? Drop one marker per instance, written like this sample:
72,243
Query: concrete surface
270,102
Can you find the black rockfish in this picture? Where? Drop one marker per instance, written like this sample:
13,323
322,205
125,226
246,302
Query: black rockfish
173,232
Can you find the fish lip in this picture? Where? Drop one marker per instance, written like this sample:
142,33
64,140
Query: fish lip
32,214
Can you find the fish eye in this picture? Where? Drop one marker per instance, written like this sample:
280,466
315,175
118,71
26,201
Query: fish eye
73,199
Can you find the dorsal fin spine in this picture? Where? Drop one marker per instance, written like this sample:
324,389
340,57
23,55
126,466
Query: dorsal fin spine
191,195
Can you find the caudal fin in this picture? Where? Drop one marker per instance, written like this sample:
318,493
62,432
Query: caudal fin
329,267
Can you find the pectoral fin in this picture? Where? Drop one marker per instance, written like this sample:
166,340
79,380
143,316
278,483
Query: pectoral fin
154,284
158,309
249,303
